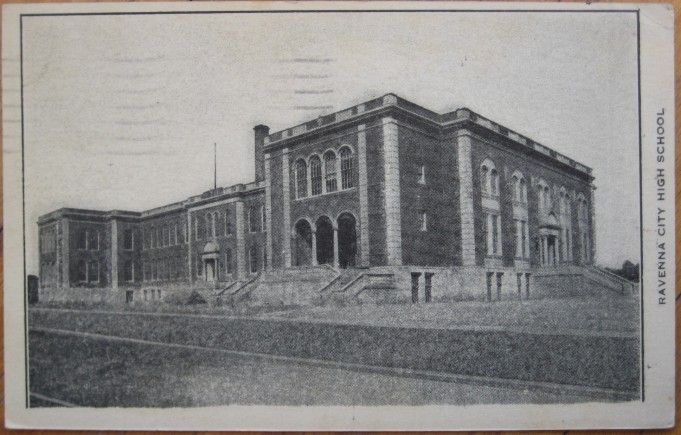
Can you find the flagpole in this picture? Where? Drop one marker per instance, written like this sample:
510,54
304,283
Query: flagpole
215,166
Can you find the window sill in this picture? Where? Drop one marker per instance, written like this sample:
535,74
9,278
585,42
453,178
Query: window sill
349,189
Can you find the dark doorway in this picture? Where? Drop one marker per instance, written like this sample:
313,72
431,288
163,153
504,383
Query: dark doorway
347,240
128,296
324,241
303,243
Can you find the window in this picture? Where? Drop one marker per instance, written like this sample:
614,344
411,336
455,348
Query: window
93,272
176,234
254,218
423,221
228,261
519,188
128,242
346,168
199,267
81,239
422,175
228,224
129,271
159,235
92,240
253,259
146,271
145,295
489,178
316,175
210,228
301,179
522,239
218,228
330,171
152,237
493,234
195,223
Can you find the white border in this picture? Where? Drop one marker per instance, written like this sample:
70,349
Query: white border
657,88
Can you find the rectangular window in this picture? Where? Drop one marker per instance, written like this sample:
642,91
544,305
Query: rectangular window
128,242
524,241
81,239
518,238
93,240
166,236
493,234
330,173
195,224
422,176
316,176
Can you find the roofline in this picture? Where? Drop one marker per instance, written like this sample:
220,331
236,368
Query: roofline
390,102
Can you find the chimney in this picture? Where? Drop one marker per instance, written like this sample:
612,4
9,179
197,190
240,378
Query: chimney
261,131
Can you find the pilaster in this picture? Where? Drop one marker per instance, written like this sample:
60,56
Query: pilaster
64,276
465,161
393,215
363,195
268,213
240,242
286,197
188,240
114,254
592,226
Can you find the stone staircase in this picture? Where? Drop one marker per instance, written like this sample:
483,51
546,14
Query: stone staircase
291,286
579,280
360,285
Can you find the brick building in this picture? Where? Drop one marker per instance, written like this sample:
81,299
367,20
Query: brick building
386,187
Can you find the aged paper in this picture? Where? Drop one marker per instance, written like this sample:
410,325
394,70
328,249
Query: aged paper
338,216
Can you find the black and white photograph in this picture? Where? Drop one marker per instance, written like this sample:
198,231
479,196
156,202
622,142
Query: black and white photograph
333,216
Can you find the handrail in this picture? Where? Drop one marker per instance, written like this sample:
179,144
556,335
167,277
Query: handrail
352,282
330,283
232,284
245,284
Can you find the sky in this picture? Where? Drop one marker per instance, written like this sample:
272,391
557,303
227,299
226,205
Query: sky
121,112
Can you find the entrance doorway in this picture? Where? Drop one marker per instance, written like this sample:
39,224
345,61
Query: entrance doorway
303,243
324,241
347,240
210,269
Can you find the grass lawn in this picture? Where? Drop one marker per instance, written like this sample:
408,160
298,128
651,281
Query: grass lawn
100,373
593,315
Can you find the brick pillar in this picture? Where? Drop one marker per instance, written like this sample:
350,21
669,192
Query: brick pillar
464,158
268,213
314,248
65,276
286,197
592,227
335,247
114,254
363,196
393,215
240,241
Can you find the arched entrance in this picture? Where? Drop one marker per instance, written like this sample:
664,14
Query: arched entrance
303,243
347,240
324,241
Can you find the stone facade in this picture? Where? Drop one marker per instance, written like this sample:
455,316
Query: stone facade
386,183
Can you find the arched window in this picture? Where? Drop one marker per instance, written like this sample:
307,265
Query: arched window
253,259
346,168
228,224
316,175
209,226
301,179
489,178
519,188
330,171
